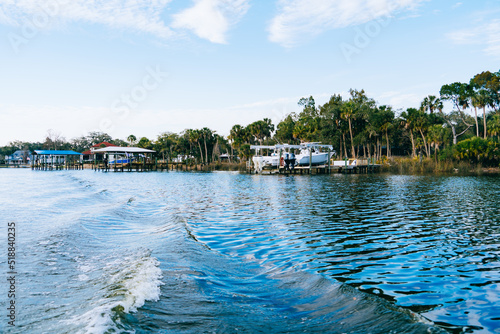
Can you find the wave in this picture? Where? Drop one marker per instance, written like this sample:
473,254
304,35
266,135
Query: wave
125,284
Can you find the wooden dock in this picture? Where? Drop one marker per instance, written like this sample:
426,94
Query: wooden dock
344,167
157,166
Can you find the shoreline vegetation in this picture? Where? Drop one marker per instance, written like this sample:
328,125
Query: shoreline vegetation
455,132
410,166
394,166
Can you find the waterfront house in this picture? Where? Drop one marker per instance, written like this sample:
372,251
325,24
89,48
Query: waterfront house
89,154
18,157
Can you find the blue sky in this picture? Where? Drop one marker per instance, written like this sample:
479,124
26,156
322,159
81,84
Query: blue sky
146,67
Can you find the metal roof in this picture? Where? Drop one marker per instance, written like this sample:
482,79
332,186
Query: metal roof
113,149
56,152
257,147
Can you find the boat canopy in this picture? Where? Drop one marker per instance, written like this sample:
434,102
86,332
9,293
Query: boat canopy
280,146
316,145
262,147
116,149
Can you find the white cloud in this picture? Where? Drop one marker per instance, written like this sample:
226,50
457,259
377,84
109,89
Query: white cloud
136,15
300,19
208,19
211,19
485,35
399,100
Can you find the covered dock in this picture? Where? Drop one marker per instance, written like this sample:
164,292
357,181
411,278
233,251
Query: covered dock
121,159
312,158
56,160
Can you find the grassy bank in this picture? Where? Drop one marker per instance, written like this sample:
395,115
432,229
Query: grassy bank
406,165
228,166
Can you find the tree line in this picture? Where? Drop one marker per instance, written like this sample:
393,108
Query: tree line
462,123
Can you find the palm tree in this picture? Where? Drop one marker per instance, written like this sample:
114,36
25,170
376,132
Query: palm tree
483,99
436,135
131,139
206,134
494,126
348,112
408,121
237,136
421,125
387,119
431,103
474,101
194,137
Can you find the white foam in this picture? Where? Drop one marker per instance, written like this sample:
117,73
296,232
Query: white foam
128,282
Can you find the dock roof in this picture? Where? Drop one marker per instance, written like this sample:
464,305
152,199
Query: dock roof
116,149
56,152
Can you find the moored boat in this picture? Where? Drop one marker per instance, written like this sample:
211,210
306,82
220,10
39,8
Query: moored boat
310,154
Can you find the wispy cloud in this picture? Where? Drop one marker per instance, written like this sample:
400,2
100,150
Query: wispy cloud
300,19
211,19
399,100
136,15
484,35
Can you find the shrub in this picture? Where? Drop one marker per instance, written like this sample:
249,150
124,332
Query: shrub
478,150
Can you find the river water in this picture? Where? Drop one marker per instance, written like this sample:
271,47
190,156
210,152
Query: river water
223,252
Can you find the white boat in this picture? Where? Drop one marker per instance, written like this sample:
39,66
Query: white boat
283,155
272,160
262,161
311,151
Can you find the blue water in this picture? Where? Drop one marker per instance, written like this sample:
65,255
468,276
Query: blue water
224,252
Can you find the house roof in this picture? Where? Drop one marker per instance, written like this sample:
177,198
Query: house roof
118,149
56,152
105,143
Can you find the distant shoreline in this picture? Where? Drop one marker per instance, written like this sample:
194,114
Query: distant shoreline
395,167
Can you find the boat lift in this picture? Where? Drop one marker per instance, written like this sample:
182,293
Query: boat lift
286,159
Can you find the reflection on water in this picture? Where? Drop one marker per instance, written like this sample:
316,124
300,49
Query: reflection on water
224,252
429,244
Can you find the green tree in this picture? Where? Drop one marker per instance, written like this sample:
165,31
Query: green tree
307,124
387,119
489,82
131,139
145,143
459,94
208,138
245,152
494,126
194,137
478,150
261,130
349,113
285,130
237,137
436,137
409,121
166,144
431,103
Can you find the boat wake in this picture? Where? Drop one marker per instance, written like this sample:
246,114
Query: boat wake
125,284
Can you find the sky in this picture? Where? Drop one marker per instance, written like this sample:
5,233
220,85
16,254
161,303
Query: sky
145,67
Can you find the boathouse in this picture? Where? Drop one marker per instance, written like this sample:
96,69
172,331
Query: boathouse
88,155
125,159
56,160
